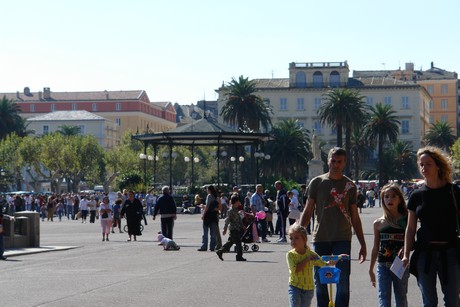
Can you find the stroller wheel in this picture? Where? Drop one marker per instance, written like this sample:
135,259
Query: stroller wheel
245,247
255,248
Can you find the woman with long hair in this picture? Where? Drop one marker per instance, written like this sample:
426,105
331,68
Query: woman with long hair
210,217
436,253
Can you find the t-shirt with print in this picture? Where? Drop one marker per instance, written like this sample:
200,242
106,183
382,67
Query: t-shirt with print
333,201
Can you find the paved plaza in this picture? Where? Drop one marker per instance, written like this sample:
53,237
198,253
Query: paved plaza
74,267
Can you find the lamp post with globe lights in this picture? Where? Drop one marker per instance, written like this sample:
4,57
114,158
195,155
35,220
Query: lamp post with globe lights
235,160
260,156
193,160
144,157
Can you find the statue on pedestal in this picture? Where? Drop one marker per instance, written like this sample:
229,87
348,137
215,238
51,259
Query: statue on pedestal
315,148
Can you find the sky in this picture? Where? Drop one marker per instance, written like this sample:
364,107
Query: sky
183,50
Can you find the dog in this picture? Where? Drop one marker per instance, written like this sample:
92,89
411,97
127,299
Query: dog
167,243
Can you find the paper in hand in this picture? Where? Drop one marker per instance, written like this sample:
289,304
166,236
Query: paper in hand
398,267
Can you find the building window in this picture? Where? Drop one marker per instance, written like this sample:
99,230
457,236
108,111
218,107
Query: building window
82,129
53,107
317,79
317,103
334,79
283,104
444,89
300,79
300,104
317,126
405,126
32,108
405,102
431,105
118,106
387,100
444,104
94,107
118,121
46,129
301,124
370,100
430,89
431,119
74,107
444,118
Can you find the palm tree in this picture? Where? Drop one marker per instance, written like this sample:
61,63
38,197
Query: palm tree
440,135
360,149
243,108
10,120
290,150
343,107
69,130
383,126
404,164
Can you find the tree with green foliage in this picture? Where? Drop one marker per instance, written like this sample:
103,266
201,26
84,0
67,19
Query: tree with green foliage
243,109
360,149
290,151
69,130
343,108
10,120
383,126
440,135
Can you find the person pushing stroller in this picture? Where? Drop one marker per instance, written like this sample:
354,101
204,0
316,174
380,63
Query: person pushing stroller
234,223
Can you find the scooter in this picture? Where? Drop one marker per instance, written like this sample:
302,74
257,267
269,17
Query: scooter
330,274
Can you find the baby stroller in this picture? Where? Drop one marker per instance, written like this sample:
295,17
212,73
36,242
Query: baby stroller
247,237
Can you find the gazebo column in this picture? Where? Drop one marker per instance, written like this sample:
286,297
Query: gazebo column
170,167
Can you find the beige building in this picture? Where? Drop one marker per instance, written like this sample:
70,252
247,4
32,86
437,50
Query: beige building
129,110
300,96
105,131
442,85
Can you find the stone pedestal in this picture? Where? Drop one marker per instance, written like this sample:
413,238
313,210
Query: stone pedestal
315,168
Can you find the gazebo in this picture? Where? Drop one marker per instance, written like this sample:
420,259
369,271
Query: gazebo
204,132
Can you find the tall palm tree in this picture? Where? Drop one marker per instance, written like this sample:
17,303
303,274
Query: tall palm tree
383,126
440,135
10,120
404,164
243,108
290,150
343,107
360,149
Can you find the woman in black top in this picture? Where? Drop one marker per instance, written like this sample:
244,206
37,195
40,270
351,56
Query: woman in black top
134,211
435,253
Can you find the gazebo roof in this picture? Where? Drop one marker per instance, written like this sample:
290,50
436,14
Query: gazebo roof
203,132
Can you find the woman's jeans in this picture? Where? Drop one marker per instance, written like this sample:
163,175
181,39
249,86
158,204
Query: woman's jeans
342,297
442,263
212,229
299,297
386,279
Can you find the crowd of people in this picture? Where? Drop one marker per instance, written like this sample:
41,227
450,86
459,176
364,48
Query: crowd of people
327,208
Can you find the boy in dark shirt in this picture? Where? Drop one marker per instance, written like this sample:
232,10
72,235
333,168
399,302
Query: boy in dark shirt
234,223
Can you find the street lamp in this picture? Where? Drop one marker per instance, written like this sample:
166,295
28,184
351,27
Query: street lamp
214,154
195,160
235,160
261,156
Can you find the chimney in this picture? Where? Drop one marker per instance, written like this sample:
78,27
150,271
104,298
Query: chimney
39,95
18,95
27,91
410,67
432,65
106,95
46,93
